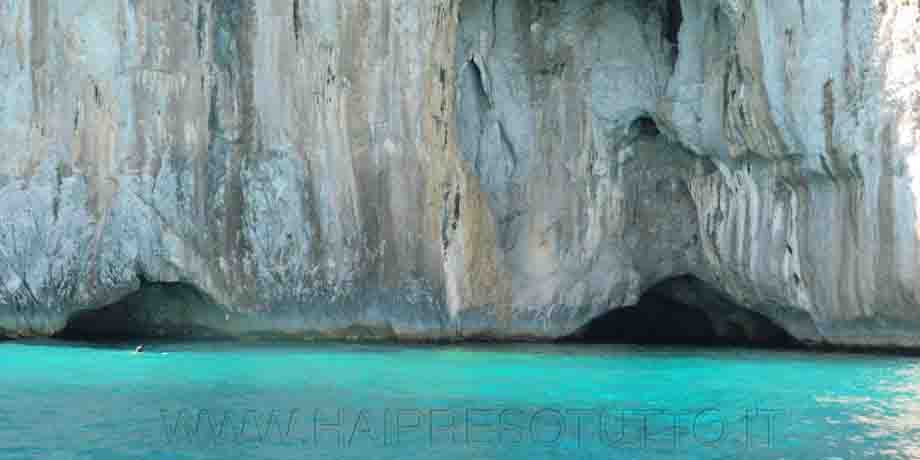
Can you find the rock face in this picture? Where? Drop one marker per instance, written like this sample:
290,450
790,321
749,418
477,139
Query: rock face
458,169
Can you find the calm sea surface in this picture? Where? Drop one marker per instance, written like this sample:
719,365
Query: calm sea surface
250,401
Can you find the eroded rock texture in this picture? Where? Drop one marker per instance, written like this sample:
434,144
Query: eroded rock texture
450,169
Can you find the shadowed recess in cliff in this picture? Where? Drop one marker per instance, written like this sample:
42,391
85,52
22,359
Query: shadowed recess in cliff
674,17
684,311
156,310
646,126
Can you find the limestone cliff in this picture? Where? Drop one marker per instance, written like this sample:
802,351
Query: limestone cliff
446,169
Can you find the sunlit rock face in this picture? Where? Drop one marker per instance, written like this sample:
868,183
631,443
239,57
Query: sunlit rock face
460,169
811,110
289,159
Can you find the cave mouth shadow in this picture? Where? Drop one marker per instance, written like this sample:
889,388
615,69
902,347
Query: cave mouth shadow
156,311
685,310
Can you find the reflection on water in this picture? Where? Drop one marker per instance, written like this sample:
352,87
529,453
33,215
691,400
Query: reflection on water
892,418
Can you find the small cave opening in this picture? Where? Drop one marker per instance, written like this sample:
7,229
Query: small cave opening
155,311
646,126
685,311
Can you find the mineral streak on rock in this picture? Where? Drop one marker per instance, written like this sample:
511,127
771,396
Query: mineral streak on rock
450,169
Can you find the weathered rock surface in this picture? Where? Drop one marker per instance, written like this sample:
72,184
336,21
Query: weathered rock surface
450,169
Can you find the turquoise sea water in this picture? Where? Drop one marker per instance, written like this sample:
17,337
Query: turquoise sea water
244,401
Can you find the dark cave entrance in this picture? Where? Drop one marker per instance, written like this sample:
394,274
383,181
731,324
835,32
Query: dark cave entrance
646,126
154,311
685,311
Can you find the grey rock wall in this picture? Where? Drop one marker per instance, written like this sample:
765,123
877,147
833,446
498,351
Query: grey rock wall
449,169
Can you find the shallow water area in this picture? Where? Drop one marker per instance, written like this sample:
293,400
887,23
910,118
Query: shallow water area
227,400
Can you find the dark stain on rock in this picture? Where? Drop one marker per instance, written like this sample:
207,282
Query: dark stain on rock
827,110
38,51
314,208
59,172
233,54
200,27
214,126
450,217
445,220
457,200
296,19
494,22
673,18
847,59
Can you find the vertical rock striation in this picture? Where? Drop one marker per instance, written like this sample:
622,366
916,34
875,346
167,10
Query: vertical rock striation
458,169
810,110
288,159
